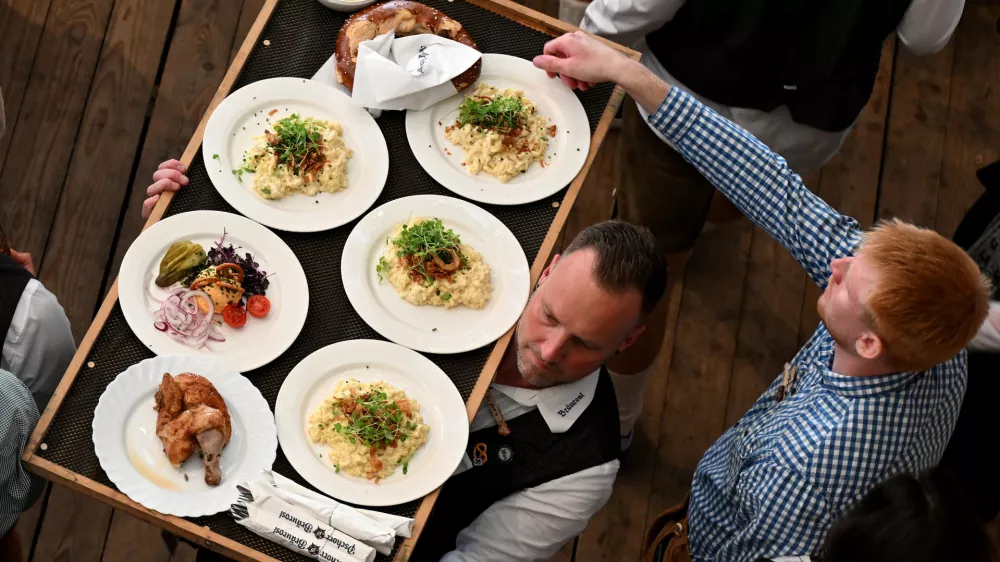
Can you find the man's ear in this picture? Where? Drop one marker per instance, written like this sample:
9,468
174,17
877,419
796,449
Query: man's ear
631,338
869,345
547,270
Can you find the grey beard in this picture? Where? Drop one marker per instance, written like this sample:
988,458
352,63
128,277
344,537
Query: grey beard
536,381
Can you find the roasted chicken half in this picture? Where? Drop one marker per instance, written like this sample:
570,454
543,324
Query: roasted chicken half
191,416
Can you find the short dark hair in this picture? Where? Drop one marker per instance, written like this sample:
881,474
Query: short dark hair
909,518
628,257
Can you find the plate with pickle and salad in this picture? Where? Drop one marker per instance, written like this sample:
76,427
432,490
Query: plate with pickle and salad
295,154
214,284
435,274
515,137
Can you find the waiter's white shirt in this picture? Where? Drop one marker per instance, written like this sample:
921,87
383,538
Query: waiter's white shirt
926,28
39,343
533,524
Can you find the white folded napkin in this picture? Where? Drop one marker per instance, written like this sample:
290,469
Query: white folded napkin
294,526
375,529
286,530
412,72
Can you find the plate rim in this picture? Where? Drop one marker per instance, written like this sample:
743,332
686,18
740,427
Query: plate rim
142,491
381,324
496,195
131,306
292,222
304,375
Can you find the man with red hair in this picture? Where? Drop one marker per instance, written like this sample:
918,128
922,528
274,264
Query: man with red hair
876,390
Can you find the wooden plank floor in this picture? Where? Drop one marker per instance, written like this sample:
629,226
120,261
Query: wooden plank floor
98,92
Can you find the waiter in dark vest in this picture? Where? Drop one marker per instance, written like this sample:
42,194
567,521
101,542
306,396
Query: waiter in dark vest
543,449
794,73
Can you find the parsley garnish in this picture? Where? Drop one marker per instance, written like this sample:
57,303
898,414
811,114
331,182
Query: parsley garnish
502,113
215,156
446,296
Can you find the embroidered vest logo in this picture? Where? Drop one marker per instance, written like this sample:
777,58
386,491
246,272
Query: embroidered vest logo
569,406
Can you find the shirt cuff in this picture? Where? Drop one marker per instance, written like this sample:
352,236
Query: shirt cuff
676,114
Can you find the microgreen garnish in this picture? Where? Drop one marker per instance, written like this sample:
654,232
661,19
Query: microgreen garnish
502,113
297,139
424,241
375,421
382,269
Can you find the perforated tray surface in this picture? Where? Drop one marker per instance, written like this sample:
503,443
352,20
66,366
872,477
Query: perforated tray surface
301,35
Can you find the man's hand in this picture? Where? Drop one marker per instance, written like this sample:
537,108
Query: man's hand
169,176
24,260
580,61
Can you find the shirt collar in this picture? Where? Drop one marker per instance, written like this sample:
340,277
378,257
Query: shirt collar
855,387
560,405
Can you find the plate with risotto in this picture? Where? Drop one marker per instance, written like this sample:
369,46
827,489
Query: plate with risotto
295,155
435,274
371,422
515,137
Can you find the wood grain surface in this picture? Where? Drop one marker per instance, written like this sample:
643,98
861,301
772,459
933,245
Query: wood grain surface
44,137
198,57
21,24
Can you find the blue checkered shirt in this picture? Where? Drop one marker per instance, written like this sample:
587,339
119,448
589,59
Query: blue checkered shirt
775,482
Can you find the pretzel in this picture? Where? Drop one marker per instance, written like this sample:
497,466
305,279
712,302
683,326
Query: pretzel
405,18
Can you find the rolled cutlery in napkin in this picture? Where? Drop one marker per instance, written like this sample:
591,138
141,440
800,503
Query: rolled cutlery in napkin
275,519
411,72
288,533
378,532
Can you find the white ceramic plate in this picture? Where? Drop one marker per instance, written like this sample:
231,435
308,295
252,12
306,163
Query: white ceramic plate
313,380
568,150
243,116
433,329
258,342
132,455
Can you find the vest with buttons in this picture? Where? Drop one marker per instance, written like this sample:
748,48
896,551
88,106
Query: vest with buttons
530,456
818,57
13,280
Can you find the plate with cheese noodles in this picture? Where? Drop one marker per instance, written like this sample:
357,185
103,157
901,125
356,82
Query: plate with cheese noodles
371,422
435,274
295,154
515,137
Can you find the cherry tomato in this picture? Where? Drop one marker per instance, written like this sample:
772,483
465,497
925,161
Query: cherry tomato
235,316
258,306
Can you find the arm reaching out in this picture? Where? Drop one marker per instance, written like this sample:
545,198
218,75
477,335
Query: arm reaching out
742,168
581,61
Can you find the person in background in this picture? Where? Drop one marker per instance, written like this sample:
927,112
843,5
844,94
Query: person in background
796,75
874,392
967,457
38,345
925,518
